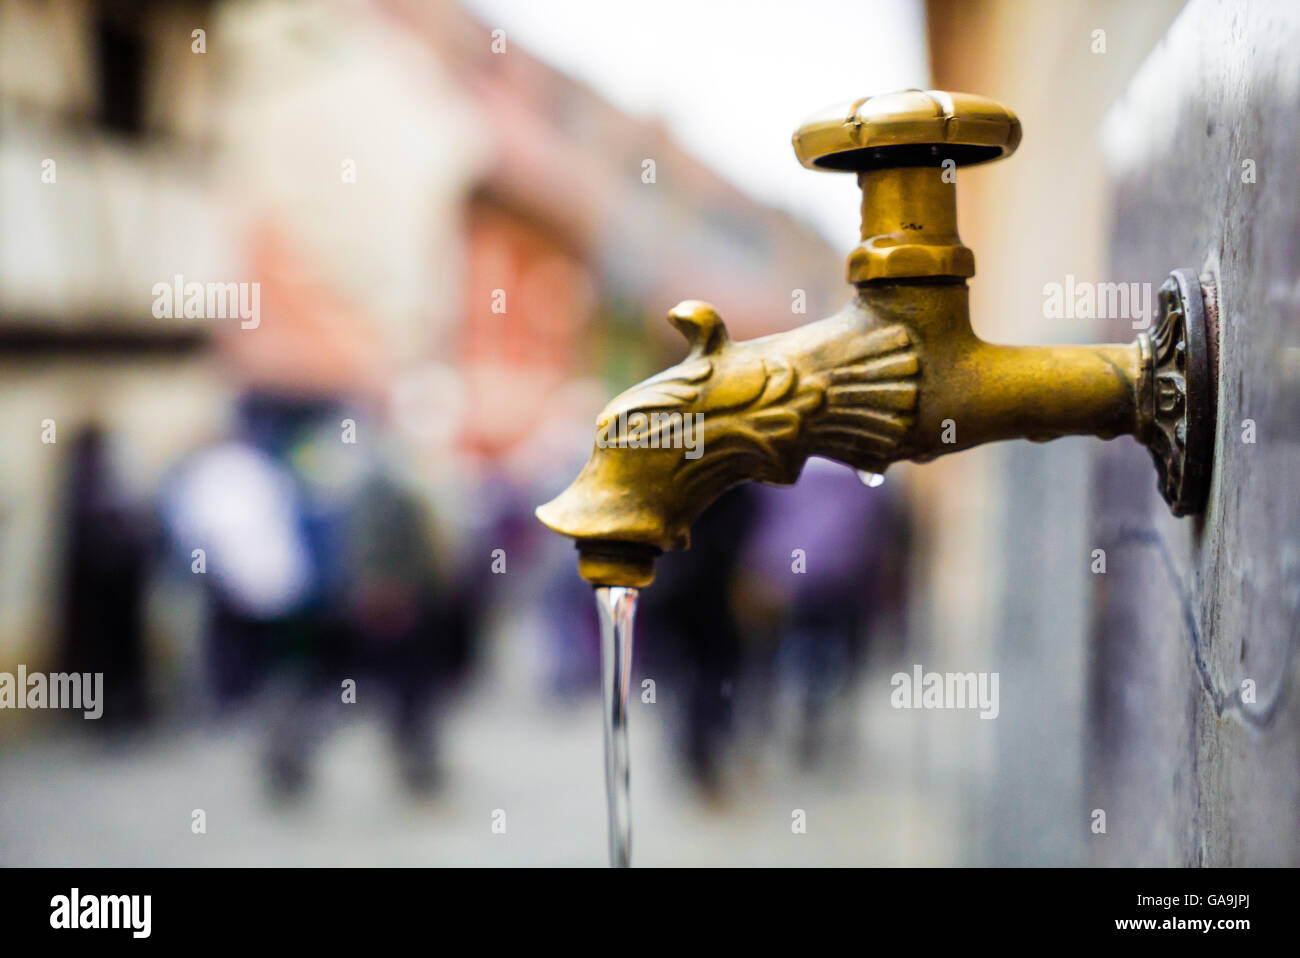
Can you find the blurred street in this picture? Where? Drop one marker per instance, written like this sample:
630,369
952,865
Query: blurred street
505,750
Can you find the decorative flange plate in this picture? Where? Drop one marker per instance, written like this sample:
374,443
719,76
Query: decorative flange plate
1184,381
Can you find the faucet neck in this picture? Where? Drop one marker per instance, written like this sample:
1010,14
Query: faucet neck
937,308
909,226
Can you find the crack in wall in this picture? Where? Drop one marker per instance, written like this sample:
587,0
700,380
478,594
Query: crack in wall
1259,716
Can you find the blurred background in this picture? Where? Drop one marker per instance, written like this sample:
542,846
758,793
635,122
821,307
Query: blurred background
459,259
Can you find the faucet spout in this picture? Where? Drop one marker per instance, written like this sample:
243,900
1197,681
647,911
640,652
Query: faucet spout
898,373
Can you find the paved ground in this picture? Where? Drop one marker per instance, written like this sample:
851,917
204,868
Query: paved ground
82,802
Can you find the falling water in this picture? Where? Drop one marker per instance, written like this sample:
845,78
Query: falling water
871,479
617,607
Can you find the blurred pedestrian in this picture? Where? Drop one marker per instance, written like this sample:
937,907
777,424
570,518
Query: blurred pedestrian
108,539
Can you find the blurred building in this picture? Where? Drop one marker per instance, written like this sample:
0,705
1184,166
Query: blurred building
443,230
107,170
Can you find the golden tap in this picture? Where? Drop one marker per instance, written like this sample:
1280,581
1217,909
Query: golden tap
898,373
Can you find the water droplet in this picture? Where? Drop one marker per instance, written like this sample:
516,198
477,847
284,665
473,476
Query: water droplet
871,479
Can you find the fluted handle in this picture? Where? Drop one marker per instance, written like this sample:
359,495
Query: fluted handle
905,147
908,128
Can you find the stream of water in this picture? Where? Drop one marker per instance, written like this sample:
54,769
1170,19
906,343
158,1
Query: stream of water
617,607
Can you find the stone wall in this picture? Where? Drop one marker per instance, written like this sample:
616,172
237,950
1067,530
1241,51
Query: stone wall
1191,764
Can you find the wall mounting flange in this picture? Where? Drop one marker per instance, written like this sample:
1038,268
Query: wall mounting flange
1182,369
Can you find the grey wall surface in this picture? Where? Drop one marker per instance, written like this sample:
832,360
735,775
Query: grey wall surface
1187,770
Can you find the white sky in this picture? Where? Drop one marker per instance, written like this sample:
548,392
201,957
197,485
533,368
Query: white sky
732,79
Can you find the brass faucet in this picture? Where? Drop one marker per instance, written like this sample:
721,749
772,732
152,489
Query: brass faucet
898,373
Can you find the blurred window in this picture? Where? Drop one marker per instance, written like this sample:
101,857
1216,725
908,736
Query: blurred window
120,60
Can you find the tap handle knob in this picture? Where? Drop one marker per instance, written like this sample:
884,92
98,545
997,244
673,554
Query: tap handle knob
903,147
907,128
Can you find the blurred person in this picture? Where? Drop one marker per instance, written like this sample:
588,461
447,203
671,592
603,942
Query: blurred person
414,637
688,627
382,615
819,570
106,565
233,513
572,627
569,625
543,464
324,588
